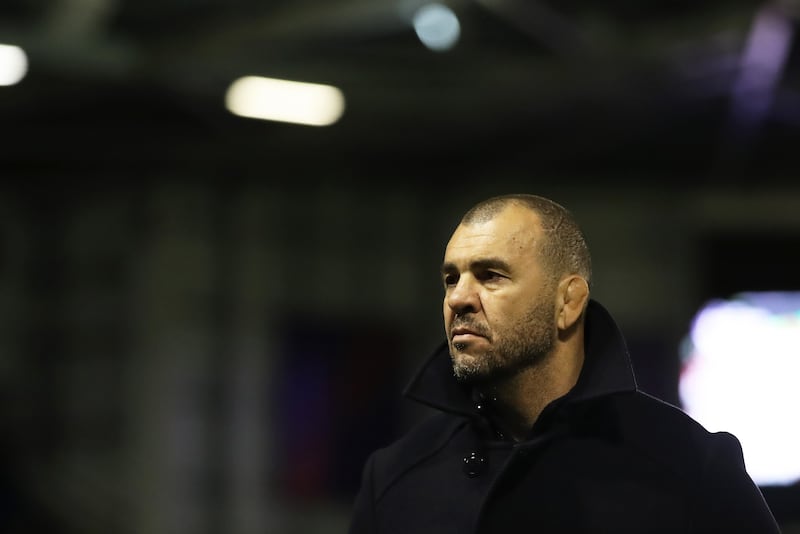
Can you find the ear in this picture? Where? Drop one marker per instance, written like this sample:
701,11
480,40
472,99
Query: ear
573,295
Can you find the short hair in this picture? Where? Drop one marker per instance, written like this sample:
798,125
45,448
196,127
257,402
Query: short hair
563,251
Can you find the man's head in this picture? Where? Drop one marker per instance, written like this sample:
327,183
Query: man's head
516,273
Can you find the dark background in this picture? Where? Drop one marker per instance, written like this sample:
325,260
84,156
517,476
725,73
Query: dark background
207,321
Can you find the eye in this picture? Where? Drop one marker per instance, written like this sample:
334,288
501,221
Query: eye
488,276
450,279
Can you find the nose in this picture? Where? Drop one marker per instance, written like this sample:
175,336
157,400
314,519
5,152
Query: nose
463,297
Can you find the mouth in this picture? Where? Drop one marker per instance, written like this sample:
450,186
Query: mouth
464,334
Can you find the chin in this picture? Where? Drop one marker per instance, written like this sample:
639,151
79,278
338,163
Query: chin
464,358
469,368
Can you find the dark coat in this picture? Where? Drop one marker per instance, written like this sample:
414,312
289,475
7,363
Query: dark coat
603,458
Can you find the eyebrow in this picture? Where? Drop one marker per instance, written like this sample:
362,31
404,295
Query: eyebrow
479,264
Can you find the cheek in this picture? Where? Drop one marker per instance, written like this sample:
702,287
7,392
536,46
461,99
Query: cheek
499,309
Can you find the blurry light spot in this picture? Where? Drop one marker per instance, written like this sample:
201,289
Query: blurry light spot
763,62
437,27
741,364
285,101
13,64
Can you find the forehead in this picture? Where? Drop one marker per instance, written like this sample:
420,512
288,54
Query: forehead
511,234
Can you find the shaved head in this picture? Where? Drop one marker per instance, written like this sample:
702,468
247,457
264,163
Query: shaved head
563,249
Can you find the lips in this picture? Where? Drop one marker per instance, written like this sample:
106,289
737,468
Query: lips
465,332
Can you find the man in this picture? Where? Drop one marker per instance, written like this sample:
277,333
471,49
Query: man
541,427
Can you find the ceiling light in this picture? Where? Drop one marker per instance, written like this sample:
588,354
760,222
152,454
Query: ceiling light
437,27
285,101
13,64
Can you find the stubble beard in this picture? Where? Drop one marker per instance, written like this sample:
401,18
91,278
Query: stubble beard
522,345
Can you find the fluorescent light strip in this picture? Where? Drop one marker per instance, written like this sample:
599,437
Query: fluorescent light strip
285,101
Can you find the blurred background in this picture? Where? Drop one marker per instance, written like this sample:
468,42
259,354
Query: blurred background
207,318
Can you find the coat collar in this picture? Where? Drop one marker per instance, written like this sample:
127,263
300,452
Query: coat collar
606,369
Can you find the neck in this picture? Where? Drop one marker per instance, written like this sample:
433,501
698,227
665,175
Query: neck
518,400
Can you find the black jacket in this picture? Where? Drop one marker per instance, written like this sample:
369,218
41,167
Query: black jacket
603,458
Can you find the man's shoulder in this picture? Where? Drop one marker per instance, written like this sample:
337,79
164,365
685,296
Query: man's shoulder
669,435
643,411
424,440
710,464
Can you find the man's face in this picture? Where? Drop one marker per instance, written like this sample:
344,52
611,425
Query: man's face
499,304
